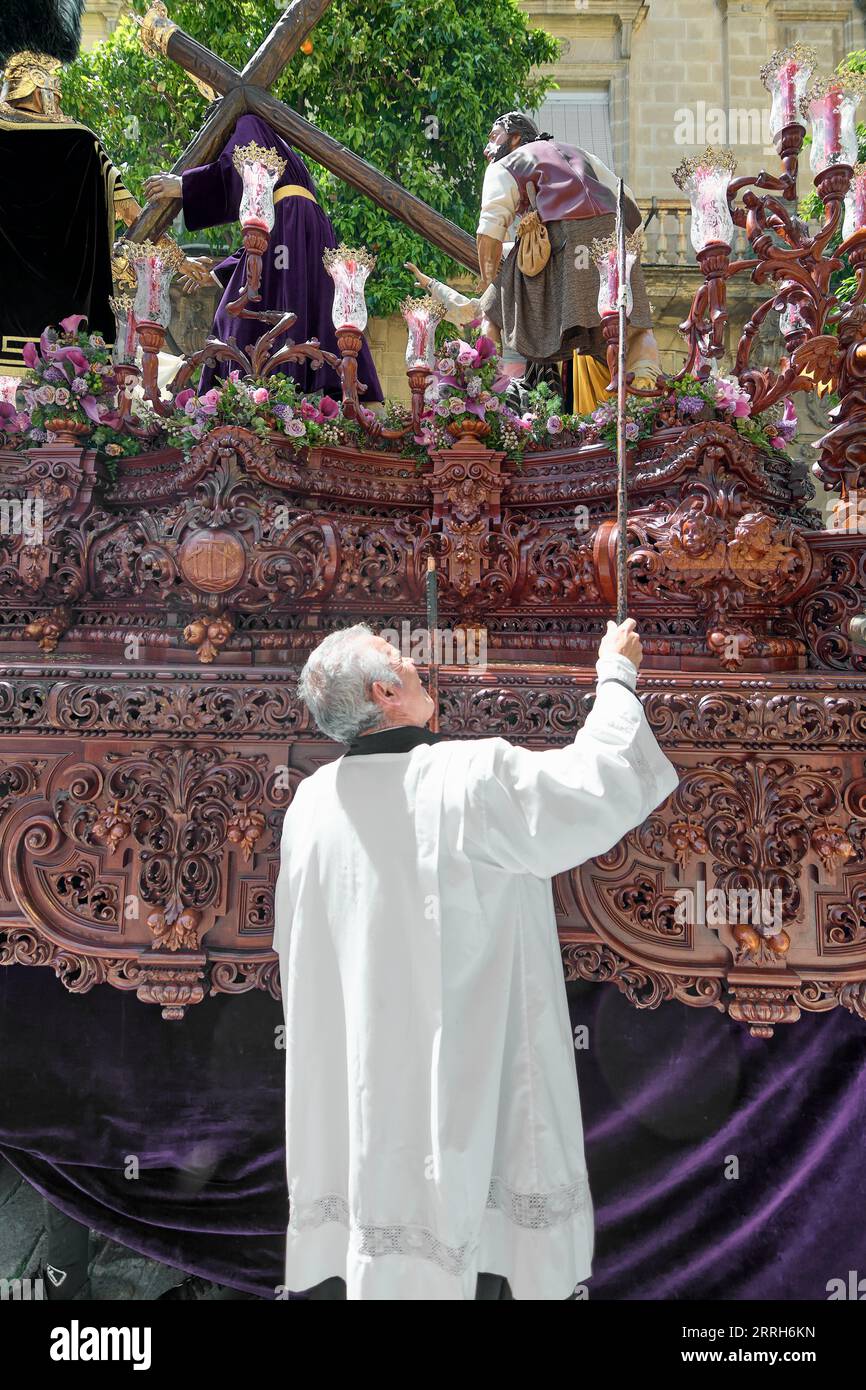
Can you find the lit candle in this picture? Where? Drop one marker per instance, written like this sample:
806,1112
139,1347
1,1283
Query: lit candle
705,179
154,264
832,104
604,255
421,316
348,267
785,76
260,169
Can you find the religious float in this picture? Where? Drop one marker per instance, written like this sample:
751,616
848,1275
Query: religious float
178,556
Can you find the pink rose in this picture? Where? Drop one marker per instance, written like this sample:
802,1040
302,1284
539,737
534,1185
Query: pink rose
467,356
61,396
260,395
45,395
209,401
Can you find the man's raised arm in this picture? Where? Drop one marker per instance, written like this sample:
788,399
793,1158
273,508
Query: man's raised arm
545,812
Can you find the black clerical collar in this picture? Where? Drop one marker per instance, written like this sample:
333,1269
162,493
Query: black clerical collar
400,739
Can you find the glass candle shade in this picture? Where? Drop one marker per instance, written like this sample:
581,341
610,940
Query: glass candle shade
792,319
786,76
260,169
421,316
348,267
125,338
154,265
855,203
832,104
705,178
605,258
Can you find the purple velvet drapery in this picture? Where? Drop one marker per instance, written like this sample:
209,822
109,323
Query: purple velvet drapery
294,280
670,1096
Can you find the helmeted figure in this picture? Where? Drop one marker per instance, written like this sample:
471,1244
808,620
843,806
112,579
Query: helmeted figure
551,315
60,195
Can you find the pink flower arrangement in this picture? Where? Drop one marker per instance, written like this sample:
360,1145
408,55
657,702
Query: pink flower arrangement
731,398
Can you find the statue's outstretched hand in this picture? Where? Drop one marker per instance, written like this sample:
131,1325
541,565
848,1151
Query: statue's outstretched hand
195,273
163,186
622,640
421,280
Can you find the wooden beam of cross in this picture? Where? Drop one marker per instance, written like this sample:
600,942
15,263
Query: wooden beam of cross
247,91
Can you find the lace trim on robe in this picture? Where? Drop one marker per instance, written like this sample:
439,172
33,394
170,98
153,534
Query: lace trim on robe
533,1210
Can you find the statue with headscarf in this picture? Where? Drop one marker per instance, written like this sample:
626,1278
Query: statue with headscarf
548,312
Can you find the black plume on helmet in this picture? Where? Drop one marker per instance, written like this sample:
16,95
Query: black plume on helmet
52,27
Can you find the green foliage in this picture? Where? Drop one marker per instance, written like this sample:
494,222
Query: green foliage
384,77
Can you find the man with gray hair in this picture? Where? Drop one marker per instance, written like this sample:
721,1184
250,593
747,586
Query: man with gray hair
434,1134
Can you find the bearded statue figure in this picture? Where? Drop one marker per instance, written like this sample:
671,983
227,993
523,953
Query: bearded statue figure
550,316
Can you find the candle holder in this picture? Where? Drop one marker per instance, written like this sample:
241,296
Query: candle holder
421,317
260,170
125,351
831,104
604,255
786,76
155,264
348,267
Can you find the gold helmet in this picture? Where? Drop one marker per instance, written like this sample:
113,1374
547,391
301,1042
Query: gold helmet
28,72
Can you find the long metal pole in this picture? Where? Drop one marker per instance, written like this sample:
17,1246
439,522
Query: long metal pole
621,478
432,636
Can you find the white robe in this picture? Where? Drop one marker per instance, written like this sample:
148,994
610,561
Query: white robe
433,1124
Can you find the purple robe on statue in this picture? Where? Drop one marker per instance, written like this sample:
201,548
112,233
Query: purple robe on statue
293,278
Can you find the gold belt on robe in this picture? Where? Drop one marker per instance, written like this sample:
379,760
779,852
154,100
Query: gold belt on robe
294,190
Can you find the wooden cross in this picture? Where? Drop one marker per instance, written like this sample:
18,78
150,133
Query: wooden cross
245,91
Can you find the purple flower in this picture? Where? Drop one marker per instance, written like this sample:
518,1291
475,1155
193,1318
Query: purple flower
467,356
786,428
54,374
554,424
61,396
485,347
180,399
631,430
38,435
329,407
457,405
296,428
690,405
45,395
190,405
30,355
442,408
79,386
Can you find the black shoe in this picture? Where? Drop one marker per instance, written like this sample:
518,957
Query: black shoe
197,1290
